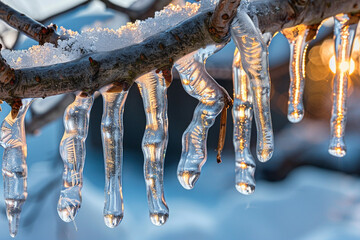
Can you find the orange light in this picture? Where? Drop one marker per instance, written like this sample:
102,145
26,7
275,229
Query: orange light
344,66
243,186
243,165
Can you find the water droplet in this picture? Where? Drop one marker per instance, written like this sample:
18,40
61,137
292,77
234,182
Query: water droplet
159,219
188,179
245,188
112,220
67,211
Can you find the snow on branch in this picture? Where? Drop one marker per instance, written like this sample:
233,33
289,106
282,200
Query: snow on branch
159,51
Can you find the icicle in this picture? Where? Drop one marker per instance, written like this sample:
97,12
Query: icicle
344,31
72,151
200,85
254,58
242,117
14,168
112,139
153,87
299,39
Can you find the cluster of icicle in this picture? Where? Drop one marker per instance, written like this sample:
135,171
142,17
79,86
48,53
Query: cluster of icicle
251,98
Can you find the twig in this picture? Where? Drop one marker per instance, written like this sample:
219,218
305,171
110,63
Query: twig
221,19
27,25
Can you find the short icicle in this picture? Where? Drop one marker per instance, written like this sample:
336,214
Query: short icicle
299,38
14,168
200,85
254,58
112,130
344,32
153,88
72,151
242,118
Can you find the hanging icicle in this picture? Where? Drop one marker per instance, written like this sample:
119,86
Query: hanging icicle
344,31
72,151
14,168
212,97
242,118
114,98
153,88
299,38
254,58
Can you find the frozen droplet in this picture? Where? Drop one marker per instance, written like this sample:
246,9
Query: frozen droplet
112,220
344,30
188,178
153,88
298,40
199,84
159,219
72,151
14,168
242,119
254,59
112,139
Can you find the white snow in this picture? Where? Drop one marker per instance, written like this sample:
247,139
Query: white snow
100,39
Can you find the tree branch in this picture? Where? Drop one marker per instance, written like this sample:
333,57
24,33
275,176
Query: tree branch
28,26
94,71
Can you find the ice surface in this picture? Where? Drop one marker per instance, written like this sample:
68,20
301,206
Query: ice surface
254,58
298,45
242,113
14,167
199,84
72,151
344,37
112,138
153,89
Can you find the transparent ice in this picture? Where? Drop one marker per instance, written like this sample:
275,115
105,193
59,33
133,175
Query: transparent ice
297,37
112,138
14,168
153,88
72,151
344,32
254,58
200,85
242,118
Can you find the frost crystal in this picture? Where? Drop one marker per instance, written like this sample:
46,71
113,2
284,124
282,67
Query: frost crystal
93,39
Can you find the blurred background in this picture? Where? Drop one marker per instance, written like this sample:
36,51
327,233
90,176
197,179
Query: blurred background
301,193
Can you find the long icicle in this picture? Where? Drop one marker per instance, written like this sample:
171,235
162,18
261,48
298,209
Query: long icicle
212,97
14,168
344,32
112,139
254,58
242,118
72,151
153,88
112,130
299,38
